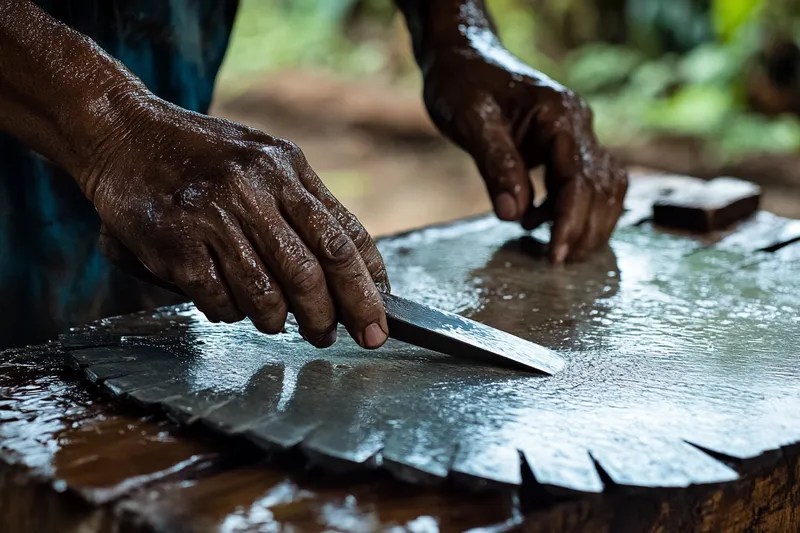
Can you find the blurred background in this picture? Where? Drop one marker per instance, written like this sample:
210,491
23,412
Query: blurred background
697,87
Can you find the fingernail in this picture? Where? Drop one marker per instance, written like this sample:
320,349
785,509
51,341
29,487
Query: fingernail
561,253
374,336
505,206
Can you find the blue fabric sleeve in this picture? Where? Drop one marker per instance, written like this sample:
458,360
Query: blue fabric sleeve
51,270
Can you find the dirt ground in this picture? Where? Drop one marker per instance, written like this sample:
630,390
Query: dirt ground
377,151
374,159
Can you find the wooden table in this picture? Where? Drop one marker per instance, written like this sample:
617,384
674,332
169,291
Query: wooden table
74,460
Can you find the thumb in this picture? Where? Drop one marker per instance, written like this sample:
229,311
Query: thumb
501,165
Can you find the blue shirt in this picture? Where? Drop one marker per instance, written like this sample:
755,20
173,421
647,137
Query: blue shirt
52,273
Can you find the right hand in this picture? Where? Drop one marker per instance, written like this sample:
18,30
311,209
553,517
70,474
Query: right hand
239,222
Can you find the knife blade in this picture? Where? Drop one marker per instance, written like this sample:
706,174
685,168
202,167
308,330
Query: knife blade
443,332
454,335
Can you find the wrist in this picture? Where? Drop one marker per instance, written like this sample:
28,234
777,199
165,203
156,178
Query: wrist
471,42
108,120
446,25
60,93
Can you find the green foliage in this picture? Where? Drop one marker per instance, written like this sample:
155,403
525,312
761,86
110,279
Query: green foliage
692,110
700,93
600,67
681,69
659,26
748,133
518,27
710,64
299,34
731,15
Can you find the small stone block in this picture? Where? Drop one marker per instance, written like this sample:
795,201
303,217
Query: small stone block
707,206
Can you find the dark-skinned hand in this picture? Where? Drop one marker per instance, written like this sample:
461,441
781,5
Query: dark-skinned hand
239,222
511,119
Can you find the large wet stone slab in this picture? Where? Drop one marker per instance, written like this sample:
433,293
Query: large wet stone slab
681,363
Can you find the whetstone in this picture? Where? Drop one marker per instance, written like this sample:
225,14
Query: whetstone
707,206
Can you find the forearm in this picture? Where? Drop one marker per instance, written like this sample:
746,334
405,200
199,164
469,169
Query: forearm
436,23
60,93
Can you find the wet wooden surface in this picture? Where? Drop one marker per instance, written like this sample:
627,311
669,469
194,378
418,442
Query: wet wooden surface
676,412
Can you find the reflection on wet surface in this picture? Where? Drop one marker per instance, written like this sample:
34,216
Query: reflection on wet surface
255,499
670,347
54,432
53,427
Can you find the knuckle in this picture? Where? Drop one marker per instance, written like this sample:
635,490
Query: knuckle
339,249
215,292
379,275
262,162
374,261
306,276
235,176
360,236
254,134
281,172
289,149
195,195
192,282
236,160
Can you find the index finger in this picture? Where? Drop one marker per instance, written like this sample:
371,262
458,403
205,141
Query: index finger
350,225
358,302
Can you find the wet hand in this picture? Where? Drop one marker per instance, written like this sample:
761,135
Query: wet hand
239,222
511,119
